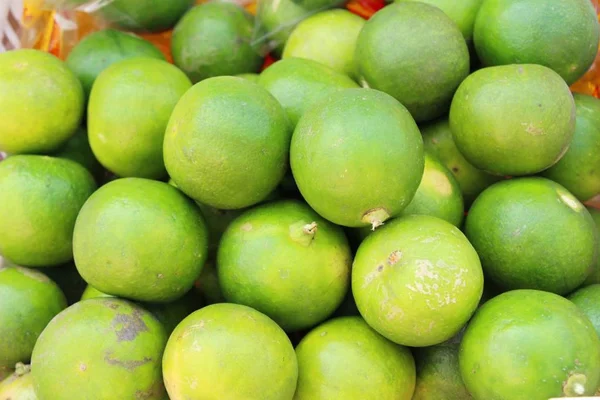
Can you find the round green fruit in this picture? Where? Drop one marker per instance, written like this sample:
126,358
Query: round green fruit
530,345
78,149
594,277
128,112
417,280
140,239
438,194
29,301
277,19
299,83
345,359
145,15
227,143
98,341
41,197
562,35
226,351
579,169
42,102
438,373
96,51
415,53
285,261
588,301
357,157
519,229
19,385
328,37
214,39
91,292
462,13
513,119
437,139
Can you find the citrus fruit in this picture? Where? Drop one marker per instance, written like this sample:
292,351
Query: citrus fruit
415,53
328,37
29,301
530,345
145,15
588,301
345,359
357,157
168,314
298,83
68,280
19,385
98,341
518,228
226,351
462,13
579,169
140,239
227,143
438,194
128,112
253,77
285,261
213,39
438,373
562,35
41,197
513,119
42,102
78,149
594,277
277,19
417,280
437,139
98,50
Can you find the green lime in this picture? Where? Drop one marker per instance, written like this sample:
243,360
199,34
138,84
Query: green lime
579,169
562,35
145,15
357,157
128,112
96,51
328,37
42,102
438,194
227,143
140,239
415,53
98,341
229,351
29,301
530,345
214,39
41,197
417,280
19,385
588,301
513,119
299,83
519,229
438,141
285,261
345,359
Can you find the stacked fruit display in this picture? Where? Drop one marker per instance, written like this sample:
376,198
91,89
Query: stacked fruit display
395,209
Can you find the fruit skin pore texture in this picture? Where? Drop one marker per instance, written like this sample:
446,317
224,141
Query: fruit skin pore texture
229,351
417,280
530,345
513,119
227,143
531,233
344,358
357,157
415,53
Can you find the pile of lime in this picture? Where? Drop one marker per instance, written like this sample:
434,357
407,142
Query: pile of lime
397,208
